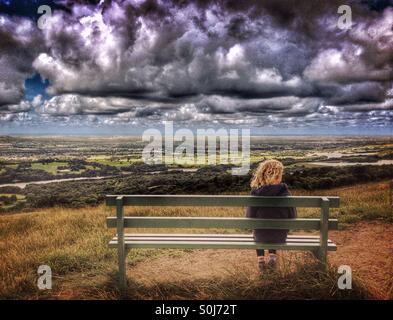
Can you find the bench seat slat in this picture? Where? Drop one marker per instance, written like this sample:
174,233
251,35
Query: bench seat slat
212,235
221,201
226,223
191,237
221,245
213,239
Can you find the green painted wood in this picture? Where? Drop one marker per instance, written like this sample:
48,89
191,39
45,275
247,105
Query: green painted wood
213,235
324,232
209,222
121,243
136,239
222,201
221,245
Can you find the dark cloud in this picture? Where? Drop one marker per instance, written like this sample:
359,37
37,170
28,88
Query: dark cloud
363,92
254,62
20,43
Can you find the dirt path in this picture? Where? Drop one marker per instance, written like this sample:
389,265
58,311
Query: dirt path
367,247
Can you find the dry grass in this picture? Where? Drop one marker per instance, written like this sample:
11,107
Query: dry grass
368,201
74,243
230,274
368,248
70,241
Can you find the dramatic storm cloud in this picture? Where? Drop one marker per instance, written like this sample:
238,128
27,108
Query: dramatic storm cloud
254,63
20,43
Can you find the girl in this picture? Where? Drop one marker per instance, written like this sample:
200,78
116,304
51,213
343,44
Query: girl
267,182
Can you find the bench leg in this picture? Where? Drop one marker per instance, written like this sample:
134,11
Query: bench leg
321,256
122,269
121,250
321,253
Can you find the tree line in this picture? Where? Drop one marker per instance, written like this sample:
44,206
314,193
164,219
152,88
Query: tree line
204,181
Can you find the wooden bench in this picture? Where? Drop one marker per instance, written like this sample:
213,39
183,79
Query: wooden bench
319,245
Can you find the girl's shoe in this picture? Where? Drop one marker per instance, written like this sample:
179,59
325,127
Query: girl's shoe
261,265
272,261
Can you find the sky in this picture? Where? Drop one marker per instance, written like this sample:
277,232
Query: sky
122,66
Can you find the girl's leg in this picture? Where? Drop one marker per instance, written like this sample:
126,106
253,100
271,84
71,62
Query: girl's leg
261,259
260,252
272,260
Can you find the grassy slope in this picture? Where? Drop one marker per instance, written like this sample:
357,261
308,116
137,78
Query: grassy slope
74,243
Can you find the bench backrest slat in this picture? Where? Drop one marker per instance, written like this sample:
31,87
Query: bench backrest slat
222,201
208,222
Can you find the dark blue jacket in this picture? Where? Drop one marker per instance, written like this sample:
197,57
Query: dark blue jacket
271,235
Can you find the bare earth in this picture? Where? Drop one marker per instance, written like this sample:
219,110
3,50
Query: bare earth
367,247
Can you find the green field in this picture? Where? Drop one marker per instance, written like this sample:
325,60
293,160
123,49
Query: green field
48,167
18,196
19,199
116,162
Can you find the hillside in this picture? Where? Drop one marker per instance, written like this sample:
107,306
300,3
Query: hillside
74,243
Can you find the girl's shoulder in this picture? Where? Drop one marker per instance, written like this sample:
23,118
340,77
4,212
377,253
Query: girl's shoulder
254,191
284,186
285,190
270,190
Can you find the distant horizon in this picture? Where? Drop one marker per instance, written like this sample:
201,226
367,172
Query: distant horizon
137,131
128,130
138,135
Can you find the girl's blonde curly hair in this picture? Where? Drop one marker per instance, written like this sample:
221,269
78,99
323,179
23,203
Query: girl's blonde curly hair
267,172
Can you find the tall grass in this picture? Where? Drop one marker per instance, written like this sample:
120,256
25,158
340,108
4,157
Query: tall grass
73,242
362,202
304,282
